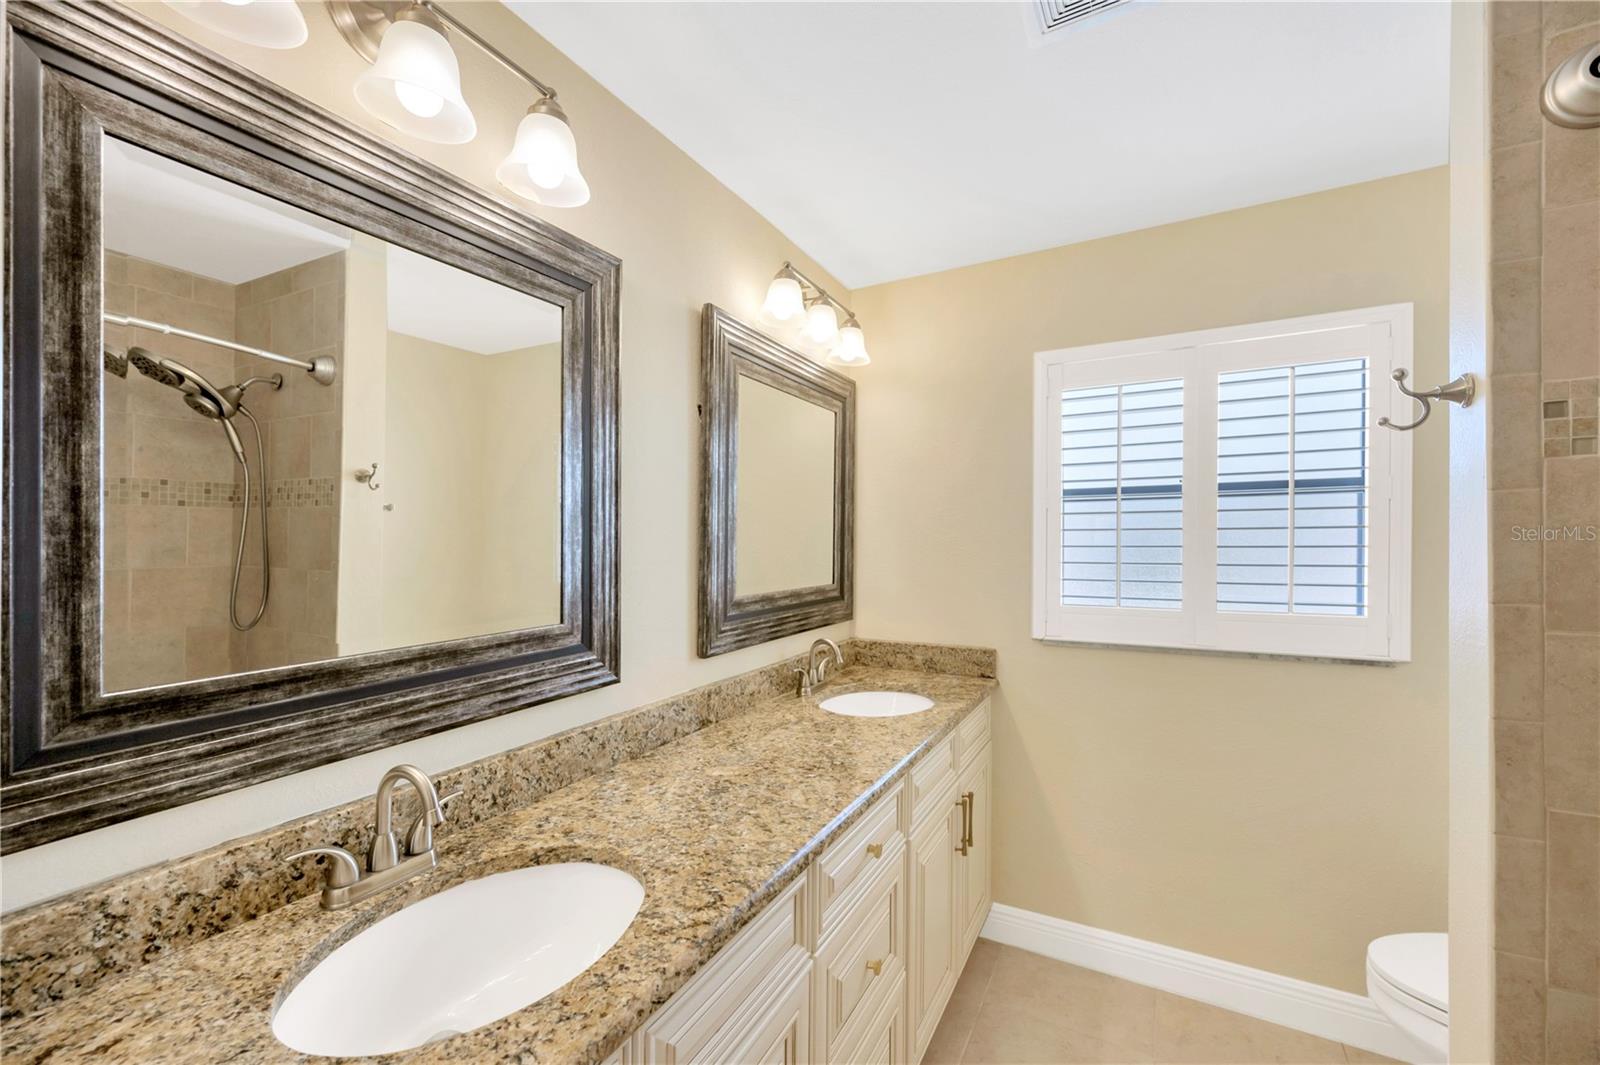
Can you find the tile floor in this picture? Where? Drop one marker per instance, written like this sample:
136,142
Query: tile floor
1016,1008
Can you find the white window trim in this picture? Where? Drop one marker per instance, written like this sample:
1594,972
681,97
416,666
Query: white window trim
1384,336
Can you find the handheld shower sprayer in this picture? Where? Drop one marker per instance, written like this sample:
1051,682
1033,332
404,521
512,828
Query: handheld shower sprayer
221,405
198,393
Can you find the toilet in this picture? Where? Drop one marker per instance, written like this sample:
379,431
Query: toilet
1408,976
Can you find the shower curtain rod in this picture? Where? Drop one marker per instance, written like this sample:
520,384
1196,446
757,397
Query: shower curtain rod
322,368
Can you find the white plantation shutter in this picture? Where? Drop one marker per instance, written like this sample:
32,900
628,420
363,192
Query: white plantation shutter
1228,489
1122,495
1292,446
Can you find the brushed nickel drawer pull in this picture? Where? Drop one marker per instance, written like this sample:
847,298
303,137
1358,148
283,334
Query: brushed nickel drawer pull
875,967
875,850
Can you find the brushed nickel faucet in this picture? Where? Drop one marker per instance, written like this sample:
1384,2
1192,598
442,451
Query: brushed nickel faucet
817,671
387,865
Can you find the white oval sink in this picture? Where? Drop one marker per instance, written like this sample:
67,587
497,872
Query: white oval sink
876,704
459,959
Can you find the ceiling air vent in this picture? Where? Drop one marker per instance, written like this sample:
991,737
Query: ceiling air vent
1059,14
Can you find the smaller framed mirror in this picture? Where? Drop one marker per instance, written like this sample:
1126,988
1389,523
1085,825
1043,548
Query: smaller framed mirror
777,495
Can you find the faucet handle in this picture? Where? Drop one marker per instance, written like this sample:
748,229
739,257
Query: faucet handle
343,870
419,838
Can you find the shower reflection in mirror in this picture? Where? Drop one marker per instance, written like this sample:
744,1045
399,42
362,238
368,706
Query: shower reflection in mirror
273,354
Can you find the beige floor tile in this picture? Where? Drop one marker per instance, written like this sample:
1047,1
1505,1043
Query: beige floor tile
950,1038
1030,1032
1080,1000
1193,1032
1357,1056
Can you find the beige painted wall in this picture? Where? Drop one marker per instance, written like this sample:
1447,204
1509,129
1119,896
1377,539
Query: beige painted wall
471,468
1274,813
684,240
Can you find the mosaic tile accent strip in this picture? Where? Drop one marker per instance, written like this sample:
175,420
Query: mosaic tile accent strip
304,492
163,492
1571,417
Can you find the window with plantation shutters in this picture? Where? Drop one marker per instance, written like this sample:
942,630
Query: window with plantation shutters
1228,490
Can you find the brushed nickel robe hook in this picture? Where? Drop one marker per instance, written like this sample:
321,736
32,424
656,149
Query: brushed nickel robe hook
1462,390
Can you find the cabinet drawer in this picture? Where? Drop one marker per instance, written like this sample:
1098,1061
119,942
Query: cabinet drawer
932,776
848,864
857,965
972,734
884,1040
764,955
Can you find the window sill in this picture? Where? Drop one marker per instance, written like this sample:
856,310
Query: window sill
1213,652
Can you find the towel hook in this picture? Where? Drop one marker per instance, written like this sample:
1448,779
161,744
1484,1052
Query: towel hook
1461,390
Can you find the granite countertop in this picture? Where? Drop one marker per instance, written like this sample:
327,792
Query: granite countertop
714,825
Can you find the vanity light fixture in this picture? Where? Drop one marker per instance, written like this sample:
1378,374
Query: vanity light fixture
415,86
264,23
822,322
793,294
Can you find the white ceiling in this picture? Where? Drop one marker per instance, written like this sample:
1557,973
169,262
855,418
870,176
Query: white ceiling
431,300
163,211
170,213
895,139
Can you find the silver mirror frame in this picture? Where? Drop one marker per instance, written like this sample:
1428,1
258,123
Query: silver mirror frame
731,349
76,758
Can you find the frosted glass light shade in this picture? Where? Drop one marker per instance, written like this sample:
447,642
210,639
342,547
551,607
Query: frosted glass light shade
784,300
543,164
264,23
822,324
415,85
851,350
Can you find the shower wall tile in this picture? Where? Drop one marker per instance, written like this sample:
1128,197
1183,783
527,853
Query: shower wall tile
1515,448
157,537
326,438
1519,917
1572,556
168,530
1572,1026
208,650
1518,64
1519,778
300,312
1562,15
1515,307
1574,901
1519,1010
212,533
1514,224
1572,722
1518,575
1572,163
160,280
1519,647
1570,315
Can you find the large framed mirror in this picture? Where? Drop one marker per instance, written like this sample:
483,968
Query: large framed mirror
777,498
311,446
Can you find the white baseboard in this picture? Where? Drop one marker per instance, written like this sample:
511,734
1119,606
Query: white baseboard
1312,1008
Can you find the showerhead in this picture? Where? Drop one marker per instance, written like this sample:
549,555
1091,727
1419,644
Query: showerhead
198,393
160,370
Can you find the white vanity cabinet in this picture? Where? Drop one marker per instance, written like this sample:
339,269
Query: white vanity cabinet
854,962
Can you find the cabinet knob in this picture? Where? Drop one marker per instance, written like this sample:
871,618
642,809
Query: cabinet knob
875,850
875,967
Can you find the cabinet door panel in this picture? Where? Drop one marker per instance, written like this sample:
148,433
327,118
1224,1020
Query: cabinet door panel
935,951
973,867
782,1034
